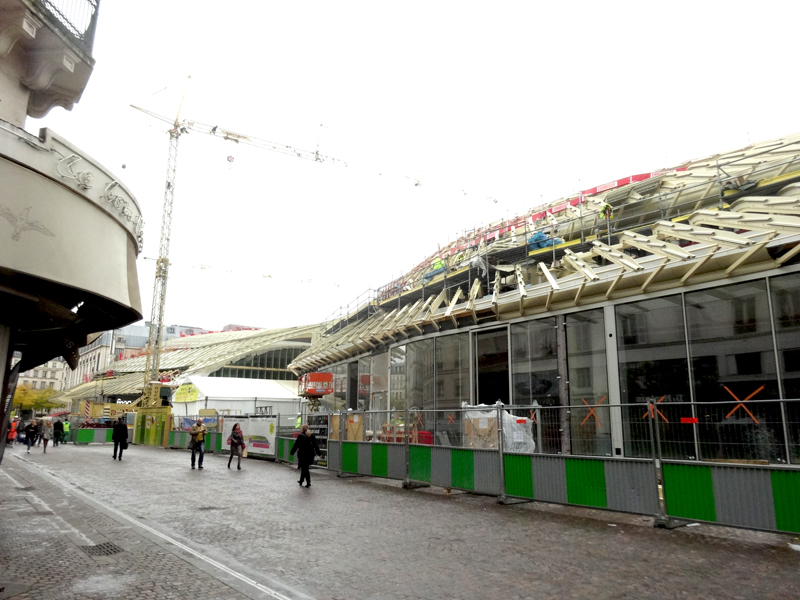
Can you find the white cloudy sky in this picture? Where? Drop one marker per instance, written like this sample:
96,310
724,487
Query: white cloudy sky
521,102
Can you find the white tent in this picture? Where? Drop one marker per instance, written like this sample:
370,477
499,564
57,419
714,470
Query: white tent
239,396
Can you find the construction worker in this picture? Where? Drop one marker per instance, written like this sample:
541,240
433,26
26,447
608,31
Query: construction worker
65,437
299,423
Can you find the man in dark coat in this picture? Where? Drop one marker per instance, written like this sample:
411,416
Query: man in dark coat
120,437
306,447
58,431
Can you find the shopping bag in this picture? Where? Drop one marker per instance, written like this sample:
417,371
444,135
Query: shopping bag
244,453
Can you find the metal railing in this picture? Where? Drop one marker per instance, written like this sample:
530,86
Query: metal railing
76,18
758,432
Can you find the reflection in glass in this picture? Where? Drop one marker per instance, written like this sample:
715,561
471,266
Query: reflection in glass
588,383
651,347
786,310
492,367
419,374
733,362
397,374
452,386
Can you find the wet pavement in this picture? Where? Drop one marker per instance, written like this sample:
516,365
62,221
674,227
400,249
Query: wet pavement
76,524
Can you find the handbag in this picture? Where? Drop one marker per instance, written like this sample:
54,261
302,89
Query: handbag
124,444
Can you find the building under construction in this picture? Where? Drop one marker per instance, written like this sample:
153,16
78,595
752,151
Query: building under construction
653,317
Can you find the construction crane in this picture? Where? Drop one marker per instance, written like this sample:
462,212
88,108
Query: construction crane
153,378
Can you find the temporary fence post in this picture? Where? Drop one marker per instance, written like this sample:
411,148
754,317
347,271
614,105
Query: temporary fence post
407,444
786,446
500,445
538,414
661,519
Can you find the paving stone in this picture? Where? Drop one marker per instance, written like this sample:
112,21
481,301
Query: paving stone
350,539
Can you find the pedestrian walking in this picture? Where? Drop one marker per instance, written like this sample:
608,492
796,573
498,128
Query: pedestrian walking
30,435
198,433
65,437
306,447
38,436
120,437
12,432
47,432
58,431
237,445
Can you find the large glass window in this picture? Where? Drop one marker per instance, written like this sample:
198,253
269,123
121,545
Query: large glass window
590,426
452,386
733,362
419,374
491,357
379,382
786,311
397,375
364,365
651,344
534,363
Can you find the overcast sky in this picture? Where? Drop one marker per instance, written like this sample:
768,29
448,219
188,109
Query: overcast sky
493,107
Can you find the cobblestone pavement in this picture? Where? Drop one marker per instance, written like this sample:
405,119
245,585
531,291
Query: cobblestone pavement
219,533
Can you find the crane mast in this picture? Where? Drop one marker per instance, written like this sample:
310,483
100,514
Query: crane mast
151,396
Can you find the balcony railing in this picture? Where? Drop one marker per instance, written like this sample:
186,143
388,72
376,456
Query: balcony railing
76,18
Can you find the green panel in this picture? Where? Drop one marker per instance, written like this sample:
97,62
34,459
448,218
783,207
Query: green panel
689,492
172,439
289,456
586,482
462,469
109,433
380,460
349,457
786,495
519,475
280,448
85,436
419,463
219,442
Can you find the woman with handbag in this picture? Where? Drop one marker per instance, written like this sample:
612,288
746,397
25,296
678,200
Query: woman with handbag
237,445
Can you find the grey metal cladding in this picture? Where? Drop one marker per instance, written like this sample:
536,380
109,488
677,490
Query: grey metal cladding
441,467
743,496
630,486
487,472
549,478
397,461
364,458
334,456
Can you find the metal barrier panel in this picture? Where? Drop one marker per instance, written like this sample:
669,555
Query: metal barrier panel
549,479
487,478
334,455
441,469
396,461
630,486
380,460
586,482
743,496
84,436
419,463
349,457
364,458
518,470
102,435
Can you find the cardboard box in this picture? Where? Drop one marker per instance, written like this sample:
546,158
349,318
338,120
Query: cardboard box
480,432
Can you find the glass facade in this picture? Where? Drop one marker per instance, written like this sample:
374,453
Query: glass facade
653,367
715,363
273,364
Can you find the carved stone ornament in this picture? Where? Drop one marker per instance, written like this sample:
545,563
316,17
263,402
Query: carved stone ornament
20,25
21,223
